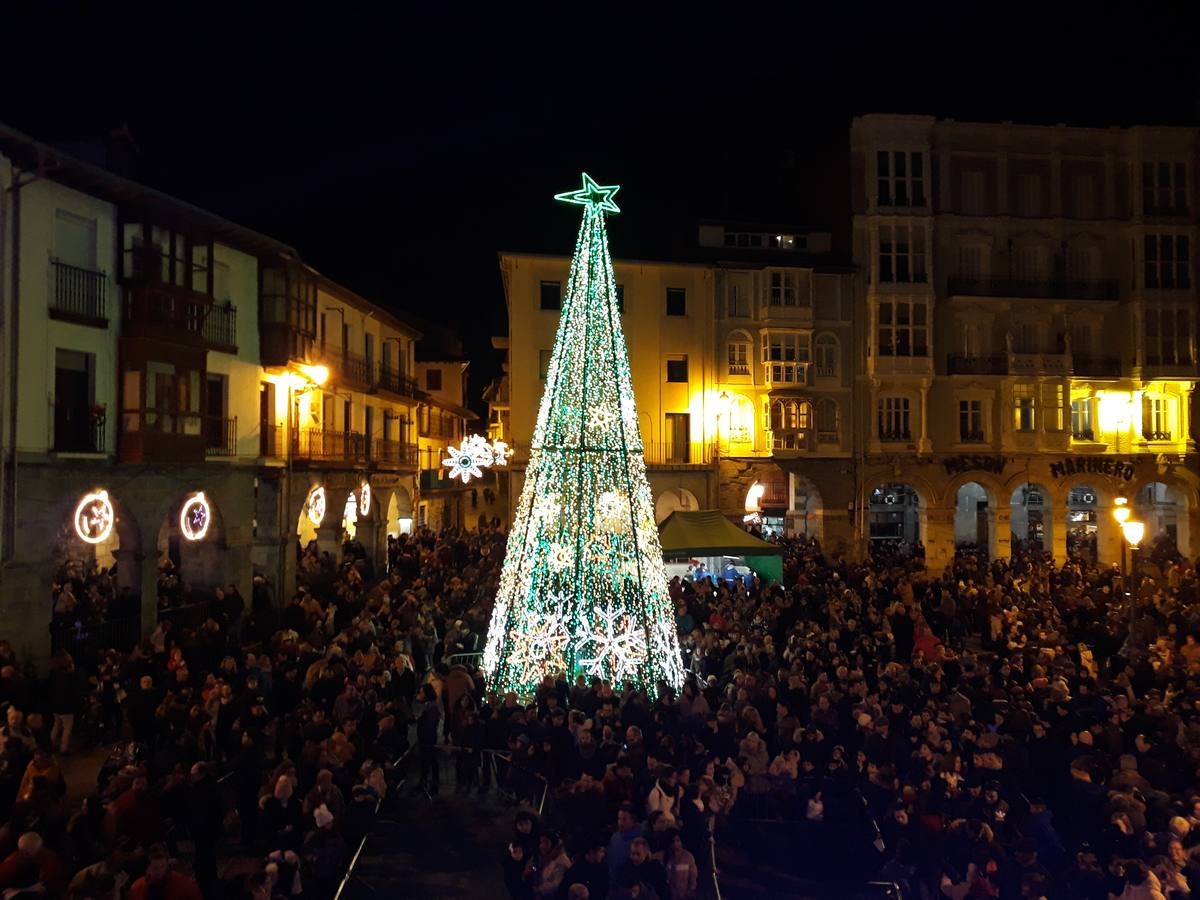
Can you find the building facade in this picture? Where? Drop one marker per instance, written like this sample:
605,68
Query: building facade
1030,313
443,422
741,364
179,389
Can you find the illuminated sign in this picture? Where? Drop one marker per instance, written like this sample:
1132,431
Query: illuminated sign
364,498
316,506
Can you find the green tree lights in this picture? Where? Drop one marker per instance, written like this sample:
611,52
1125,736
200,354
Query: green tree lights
583,589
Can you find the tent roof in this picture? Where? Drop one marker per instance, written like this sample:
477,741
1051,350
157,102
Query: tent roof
707,532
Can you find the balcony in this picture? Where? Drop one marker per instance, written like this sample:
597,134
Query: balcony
270,440
799,440
879,364
153,435
220,436
1083,434
319,444
1096,366
394,382
355,370
1039,364
394,454
895,437
78,429
957,364
785,374
167,313
1104,289
739,369
80,295
676,453
1156,369
1150,435
972,437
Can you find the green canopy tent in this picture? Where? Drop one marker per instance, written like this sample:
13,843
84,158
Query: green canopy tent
707,532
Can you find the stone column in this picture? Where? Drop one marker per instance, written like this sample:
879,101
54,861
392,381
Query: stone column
367,533
938,538
924,445
329,535
149,588
1108,536
1000,533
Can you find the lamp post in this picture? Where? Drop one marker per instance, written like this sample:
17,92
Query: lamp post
722,410
301,382
1121,513
1133,531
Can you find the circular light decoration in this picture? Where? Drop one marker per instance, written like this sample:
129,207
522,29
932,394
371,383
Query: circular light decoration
316,506
195,517
364,498
94,517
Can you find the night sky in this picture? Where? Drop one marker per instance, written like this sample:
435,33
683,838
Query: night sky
399,151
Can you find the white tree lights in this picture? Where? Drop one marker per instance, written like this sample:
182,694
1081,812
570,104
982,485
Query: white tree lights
473,455
583,589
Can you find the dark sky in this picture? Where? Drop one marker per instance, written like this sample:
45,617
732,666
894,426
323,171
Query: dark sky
398,151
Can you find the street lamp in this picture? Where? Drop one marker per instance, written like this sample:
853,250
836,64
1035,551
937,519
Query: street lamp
722,410
1121,513
1133,531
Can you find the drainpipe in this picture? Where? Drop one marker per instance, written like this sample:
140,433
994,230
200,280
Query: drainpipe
3,309
9,484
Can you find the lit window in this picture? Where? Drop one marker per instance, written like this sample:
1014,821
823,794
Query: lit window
1082,428
739,357
1155,418
1024,406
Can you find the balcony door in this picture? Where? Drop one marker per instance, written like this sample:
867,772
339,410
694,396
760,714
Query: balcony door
73,401
678,436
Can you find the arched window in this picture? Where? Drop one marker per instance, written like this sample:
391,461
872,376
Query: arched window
826,355
739,353
828,419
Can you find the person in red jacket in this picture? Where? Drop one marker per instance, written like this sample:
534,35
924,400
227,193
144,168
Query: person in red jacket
162,882
31,854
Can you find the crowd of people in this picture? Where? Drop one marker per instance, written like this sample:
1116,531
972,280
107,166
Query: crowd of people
1005,728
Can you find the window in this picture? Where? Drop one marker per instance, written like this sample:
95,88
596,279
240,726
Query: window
737,299
676,302
739,355
1029,194
1155,424
1169,337
900,178
77,428
1081,263
1083,196
894,423
1167,261
902,253
1029,263
972,194
1024,403
789,424
903,328
433,379
75,240
970,336
785,357
347,417
970,421
970,262
826,355
621,299
828,420
1026,337
543,364
783,290
678,434
1164,188
1081,419
1081,338
677,369
550,294
1054,404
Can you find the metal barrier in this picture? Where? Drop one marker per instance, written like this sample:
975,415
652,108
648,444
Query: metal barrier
337,895
466,660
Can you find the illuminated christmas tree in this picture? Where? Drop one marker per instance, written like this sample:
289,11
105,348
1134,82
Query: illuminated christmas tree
583,590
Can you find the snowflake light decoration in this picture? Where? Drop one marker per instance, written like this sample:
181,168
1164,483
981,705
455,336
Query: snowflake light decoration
617,645
602,417
612,511
545,508
540,646
473,455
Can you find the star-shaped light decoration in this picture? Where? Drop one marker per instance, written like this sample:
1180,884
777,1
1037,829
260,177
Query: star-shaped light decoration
540,645
465,461
601,417
500,452
617,645
593,196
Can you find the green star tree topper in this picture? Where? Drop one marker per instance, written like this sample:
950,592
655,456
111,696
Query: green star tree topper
583,589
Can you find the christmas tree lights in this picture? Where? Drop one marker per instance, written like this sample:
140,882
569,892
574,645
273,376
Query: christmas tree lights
583,589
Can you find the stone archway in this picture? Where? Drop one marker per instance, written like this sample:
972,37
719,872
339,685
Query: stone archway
974,519
87,549
1031,519
1164,509
191,549
895,519
674,500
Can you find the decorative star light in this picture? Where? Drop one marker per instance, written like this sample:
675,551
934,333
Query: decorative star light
540,646
545,508
194,517
500,453
618,646
94,517
612,511
593,196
